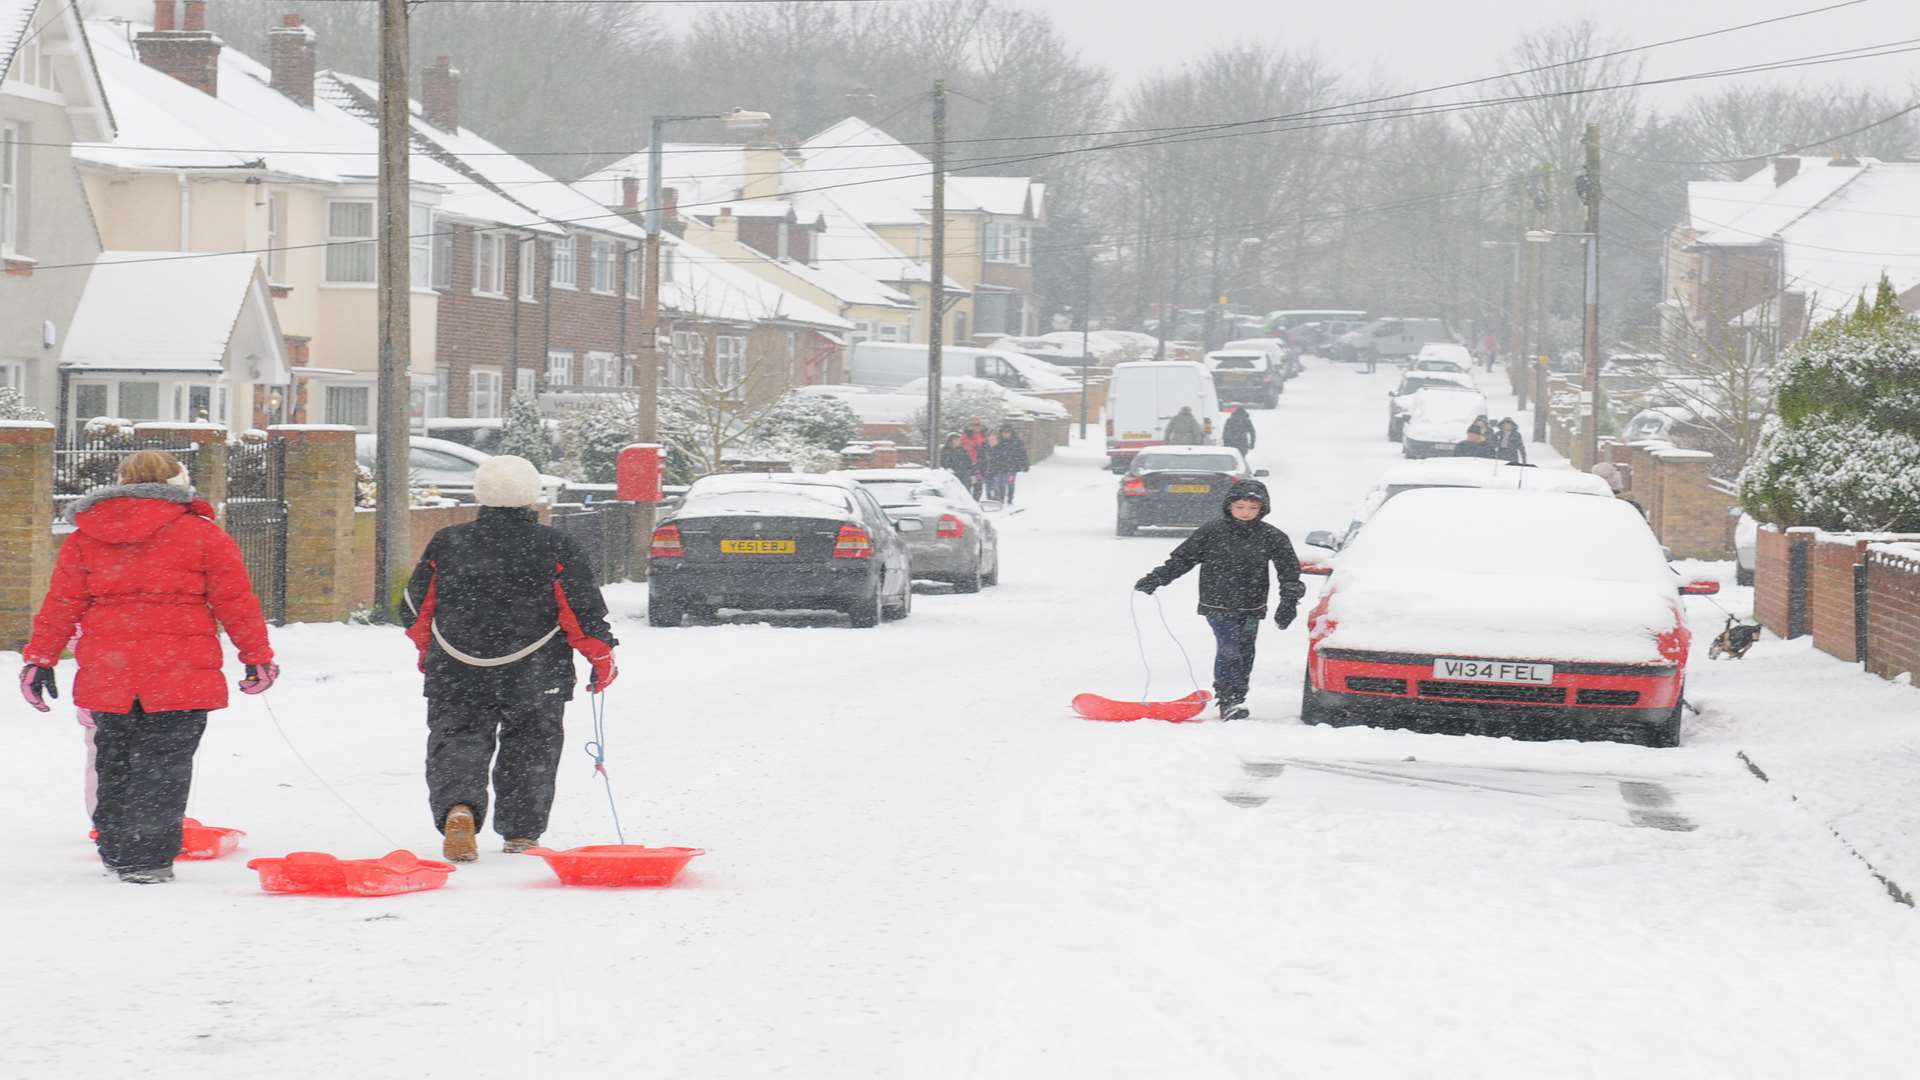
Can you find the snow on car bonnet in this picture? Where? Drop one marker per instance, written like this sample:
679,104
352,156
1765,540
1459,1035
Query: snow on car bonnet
1504,574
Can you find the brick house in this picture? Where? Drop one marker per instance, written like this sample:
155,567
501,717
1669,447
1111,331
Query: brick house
1762,260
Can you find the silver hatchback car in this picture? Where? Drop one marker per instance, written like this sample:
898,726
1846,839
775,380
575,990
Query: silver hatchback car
956,542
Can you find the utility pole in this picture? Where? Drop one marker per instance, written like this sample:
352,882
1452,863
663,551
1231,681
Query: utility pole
392,549
1086,334
937,283
1590,392
1542,398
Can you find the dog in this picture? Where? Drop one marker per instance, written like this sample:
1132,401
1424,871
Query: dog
1734,641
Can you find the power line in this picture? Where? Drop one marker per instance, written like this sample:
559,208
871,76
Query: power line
1183,128
1337,120
1888,119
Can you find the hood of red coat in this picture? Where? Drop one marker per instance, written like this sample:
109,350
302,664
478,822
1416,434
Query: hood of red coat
130,513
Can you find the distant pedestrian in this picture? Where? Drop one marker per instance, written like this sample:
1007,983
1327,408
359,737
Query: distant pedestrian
955,459
1006,460
1475,444
974,438
996,489
1184,429
1508,444
500,605
1233,552
1238,432
147,579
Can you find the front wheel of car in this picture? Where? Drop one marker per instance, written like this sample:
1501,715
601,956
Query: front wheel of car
865,613
1311,711
1666,733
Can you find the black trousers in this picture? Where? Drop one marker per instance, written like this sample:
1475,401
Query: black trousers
144,763
461,741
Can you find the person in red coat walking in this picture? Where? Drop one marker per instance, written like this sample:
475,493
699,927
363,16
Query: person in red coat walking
147,579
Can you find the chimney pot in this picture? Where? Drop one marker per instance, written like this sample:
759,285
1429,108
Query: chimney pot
163,15
194,19
290,60
1785,169
289,20
188,53
440,91
630,193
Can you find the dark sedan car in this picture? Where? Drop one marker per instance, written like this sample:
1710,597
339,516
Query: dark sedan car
779,542
1177,486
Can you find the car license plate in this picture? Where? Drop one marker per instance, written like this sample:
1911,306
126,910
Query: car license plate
1492,671
1132,435
1189,489
758,547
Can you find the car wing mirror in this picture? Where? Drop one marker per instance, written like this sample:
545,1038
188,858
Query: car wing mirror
1700,587
1321,538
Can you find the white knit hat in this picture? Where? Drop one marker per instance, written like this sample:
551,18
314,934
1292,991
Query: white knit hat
506,481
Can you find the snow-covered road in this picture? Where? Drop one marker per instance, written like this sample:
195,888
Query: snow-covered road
922,866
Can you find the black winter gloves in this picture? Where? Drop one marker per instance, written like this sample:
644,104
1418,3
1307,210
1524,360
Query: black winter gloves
1283,615
1146,585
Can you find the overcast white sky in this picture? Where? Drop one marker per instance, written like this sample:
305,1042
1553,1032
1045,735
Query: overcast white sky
1430,42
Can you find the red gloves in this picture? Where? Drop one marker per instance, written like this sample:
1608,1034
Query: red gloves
600,655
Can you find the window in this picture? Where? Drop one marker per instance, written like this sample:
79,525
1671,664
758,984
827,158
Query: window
139,401
526,381
565,271
350,250
32,65
13,377
603,369
422,243
600,257
888,331
276,236
667,260
437,389
862,331
529,269
560,368
349,405
489,263
781,242
89,401
442,253
633,272
483,400
687,355
960,327
729,360
1007,242
13,207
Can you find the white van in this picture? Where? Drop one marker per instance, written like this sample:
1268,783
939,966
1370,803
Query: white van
890,364
1145,394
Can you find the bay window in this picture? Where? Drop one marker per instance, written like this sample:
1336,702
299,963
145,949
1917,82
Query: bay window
483,398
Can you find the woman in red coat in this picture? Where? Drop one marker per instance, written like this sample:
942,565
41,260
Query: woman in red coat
143,580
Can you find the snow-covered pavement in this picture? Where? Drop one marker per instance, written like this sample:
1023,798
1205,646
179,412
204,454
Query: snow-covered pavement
921,865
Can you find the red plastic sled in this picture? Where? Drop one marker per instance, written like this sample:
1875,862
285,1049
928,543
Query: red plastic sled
198,842
617,864
1095,707
395,873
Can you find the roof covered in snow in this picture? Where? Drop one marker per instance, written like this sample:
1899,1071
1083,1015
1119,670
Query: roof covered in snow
1755,213
707,287
702,175
885,182
14,17
161,311
62,38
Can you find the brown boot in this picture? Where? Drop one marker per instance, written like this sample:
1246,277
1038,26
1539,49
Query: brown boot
519,845
460,845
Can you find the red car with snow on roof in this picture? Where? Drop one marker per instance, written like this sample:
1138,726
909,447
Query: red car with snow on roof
1523,613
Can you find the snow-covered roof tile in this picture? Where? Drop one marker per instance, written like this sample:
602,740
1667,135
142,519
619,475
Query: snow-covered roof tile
14,17
1838,250
159,311
702,175
1764,212
705,286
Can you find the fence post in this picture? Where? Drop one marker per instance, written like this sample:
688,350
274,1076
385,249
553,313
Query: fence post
209,461
319,489
1799,581
1860,610
26,525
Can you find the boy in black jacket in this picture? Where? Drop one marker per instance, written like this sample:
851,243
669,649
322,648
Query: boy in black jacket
1232,554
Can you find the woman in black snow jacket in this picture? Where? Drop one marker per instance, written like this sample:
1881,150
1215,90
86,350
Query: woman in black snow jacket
955,459
1232,553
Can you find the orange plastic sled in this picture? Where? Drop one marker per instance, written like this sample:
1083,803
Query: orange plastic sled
617,864
317,872
199,841
1107,710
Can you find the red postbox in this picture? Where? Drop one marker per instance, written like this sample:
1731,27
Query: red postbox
638,473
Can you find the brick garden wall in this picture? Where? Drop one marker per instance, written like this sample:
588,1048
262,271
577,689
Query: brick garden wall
1830,595
1770,579
1893,610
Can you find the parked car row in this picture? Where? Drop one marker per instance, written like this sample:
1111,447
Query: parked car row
851,542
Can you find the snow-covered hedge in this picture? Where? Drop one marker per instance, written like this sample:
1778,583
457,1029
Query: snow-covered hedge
958,405
525,434
1844,451
15,407
810,420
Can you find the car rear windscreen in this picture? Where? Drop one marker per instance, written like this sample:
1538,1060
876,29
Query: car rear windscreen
894,492
1188,462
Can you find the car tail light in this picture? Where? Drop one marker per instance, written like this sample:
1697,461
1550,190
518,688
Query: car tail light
1133,485
951,528
854,543
666,543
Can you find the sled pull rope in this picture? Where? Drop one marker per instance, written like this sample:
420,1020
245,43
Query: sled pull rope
1140,644
302,759
597,750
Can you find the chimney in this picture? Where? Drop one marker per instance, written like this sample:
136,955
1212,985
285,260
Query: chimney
765,164
861,102
189,54
440,91
1785,169
629,193
290,57
727,226
670,210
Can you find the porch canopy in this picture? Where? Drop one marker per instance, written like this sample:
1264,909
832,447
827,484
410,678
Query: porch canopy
186,314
